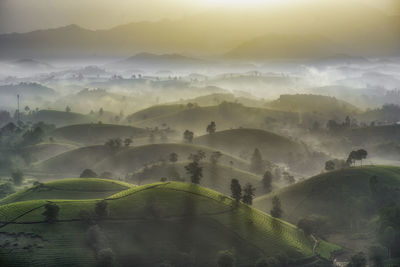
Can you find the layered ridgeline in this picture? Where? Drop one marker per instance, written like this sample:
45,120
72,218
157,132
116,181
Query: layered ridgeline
226,115
96,133
124,160
215,176
242,142
46,150
273,147
177,223
344,201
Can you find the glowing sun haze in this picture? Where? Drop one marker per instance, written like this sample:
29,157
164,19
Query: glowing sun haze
28,15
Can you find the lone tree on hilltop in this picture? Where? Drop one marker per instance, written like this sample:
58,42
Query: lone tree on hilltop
188,136
329,165
236,190
249,193
88,173
276,210
211,128
357,155
256,164
51,212
267,181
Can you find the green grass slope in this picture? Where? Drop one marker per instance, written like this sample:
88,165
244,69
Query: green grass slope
344,196
91,134
273,147
77,188
180,223
215,176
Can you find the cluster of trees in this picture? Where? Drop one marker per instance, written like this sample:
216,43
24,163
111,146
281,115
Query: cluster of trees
356,155
336,127
246,195
118,142
188,136
193,168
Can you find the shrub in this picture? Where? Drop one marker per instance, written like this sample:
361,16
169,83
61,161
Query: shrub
51,212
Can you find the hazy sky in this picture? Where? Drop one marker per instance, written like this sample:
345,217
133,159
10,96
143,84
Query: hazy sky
27,15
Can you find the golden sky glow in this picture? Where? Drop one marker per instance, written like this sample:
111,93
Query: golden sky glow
27,15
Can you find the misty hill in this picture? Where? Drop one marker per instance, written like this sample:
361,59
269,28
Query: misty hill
218,98
27,90
215,176
31,64
155,61
124,160
226,115
58,118
343,199
88,100
78,188
325,106
374,135
273,147
43,151
157,215
154,112
276,46
90,134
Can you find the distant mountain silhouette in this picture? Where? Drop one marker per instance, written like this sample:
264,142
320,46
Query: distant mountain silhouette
303,31
276,46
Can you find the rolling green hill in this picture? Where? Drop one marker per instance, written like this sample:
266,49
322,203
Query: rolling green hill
123,160
96,133
343,204
183,224
273,147
43,151
78,188
226,115
215,176
343,196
